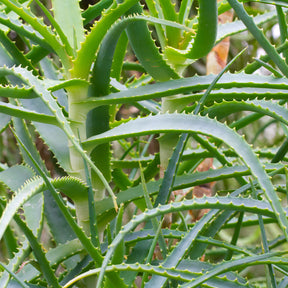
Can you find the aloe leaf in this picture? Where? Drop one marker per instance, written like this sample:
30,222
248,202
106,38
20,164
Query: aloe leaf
183,274
14,263
37,53
20,112
52,75
57,142
32,187
146,50
119,57
170,173
92,217
105,55
70,23
243,204
23,196
269,68
56,26
173,35
14,177
47,271
156,11
218,221
192,123
259,36
272,2
118,256
247,261
17,56
156,224
200,267
52,105
59,227
184,10
55,256
34,214
21,283
144,234
42,29
237,26
283,283
271,281
4,121
9,238
283,27
194,84
17,92
95,10
206,33
23,134
104,208
91,44
24,30
280,154
28,191
271,109
100,86
55,85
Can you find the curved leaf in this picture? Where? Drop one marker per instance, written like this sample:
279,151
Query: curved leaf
271,109
89,47
242,204
72,186
192,123
269,84
206,33
20,112
145,49
105,210
71,23
185,273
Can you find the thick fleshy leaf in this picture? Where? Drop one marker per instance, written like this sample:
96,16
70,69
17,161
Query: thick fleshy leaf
195,124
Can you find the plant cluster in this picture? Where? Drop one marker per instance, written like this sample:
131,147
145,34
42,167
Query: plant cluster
181,193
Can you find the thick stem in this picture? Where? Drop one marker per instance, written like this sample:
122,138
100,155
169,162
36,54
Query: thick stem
78,126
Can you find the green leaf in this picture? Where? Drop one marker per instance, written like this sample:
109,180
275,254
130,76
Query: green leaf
4,121
105,211
23,133
271,109
145,49
55,257
15,263
244,82
259,36
242,204
237,26
24,30
71,23
39,254
89,47
191,123
93,11
14,177
41,28
34,214
244,262
184,274
205,36
20,112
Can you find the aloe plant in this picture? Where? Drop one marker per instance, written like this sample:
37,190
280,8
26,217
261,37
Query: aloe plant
67,220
